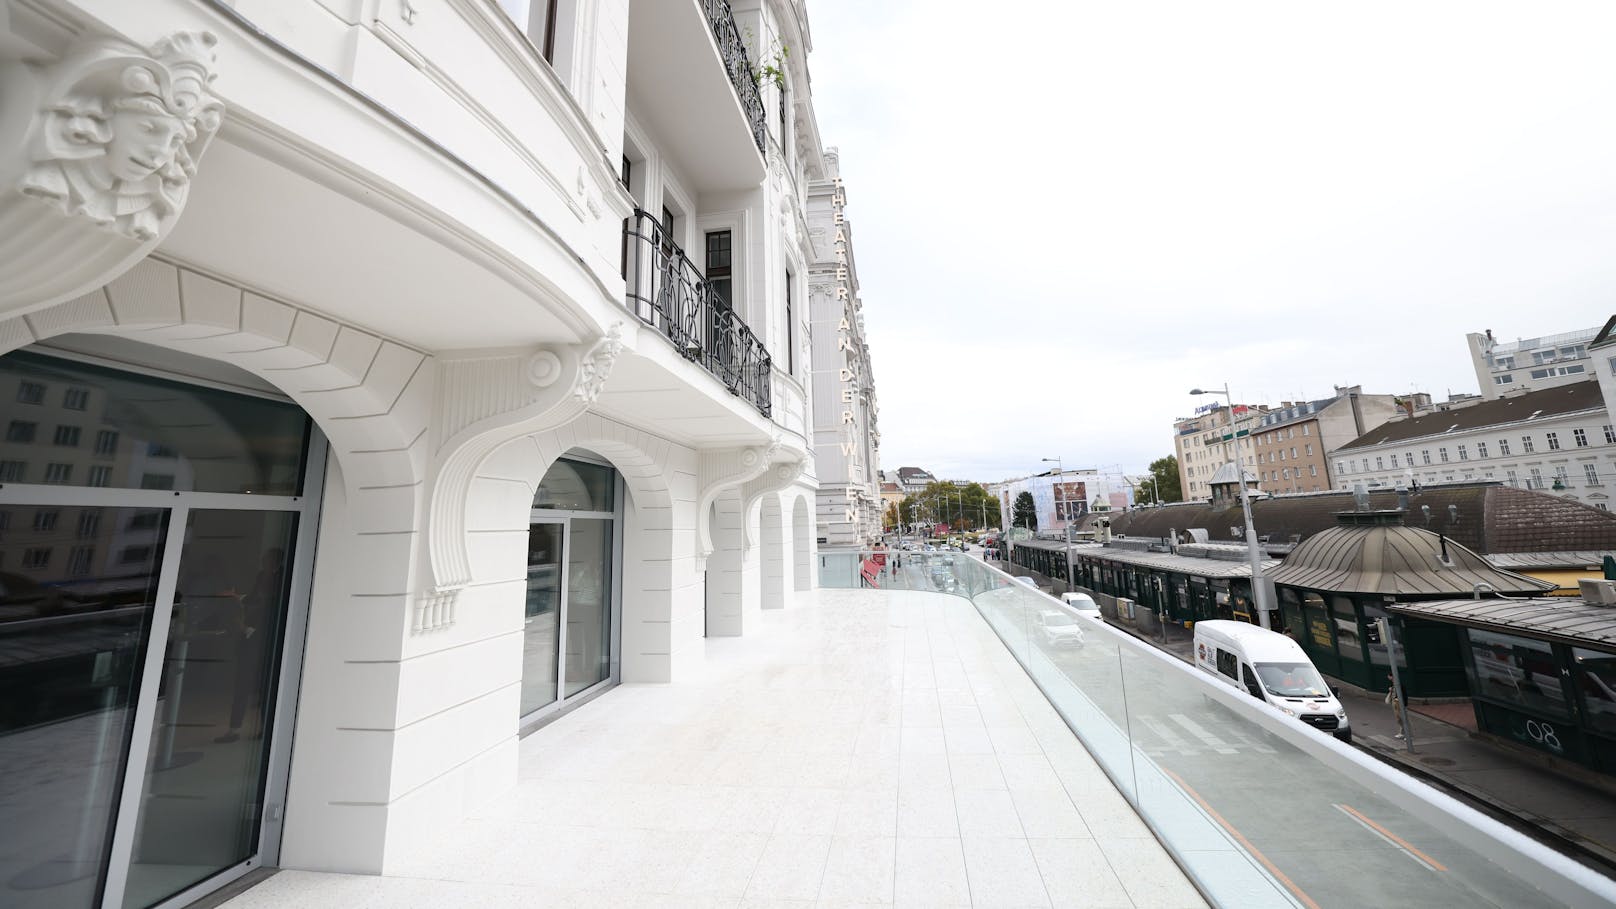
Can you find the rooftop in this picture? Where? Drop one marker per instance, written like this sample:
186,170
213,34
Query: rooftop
1562,619
1489,518
1544,404
1394,560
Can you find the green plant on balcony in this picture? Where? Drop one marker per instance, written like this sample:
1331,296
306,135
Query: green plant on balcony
772,63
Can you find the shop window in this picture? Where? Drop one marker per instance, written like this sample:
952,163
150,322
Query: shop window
1345,619
1596,679
1517,671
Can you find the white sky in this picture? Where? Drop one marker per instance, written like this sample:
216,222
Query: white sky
1069,213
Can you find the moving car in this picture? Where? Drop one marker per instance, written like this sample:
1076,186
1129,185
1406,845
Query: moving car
1272,668
1028,581
1060,629
1082,604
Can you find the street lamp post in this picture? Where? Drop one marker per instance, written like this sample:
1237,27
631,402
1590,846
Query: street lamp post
1259,592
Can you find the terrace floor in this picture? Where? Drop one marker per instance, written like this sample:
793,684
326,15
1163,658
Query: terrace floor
864,747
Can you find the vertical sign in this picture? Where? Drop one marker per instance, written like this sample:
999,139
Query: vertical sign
847,375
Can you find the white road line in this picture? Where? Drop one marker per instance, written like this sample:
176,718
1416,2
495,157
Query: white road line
1200,732
1386,839
1170,739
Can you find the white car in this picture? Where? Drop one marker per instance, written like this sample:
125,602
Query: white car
1060,629
1082,604
1028,581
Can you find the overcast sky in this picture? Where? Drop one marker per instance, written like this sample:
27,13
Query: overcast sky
1069,213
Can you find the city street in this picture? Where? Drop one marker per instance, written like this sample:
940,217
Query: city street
1327,839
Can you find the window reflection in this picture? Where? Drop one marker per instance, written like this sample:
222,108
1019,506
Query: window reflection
1596,677
1518,671
73,628
79,425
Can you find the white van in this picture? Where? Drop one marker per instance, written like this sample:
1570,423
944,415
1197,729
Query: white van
1271,667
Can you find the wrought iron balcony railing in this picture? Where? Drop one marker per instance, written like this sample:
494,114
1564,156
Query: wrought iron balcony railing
738,64
667,292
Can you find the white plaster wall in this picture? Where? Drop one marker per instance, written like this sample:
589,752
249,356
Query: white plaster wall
773,556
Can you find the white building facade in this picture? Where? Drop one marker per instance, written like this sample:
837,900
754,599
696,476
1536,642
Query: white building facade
1557,440
847,435
1529,364
383,379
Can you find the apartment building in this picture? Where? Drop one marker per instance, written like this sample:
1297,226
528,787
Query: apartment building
392,377
1527,364
1557,440
1214,436
1292,440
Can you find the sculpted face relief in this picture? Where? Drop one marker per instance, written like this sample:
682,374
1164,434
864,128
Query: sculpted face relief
121,130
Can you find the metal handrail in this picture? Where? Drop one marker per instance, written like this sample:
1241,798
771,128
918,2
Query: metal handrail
738,64
666,291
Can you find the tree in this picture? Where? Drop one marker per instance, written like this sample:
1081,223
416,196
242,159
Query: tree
965,507
1163,484
1026,513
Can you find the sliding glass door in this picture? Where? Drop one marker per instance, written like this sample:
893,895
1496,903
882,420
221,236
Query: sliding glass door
570,629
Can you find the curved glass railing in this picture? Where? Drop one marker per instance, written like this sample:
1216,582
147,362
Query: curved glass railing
1258,809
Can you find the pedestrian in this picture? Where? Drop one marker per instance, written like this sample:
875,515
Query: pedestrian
1393,698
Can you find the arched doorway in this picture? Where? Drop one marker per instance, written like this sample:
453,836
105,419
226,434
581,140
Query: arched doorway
156,541
572,613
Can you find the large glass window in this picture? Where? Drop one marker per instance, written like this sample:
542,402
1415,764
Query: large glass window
1596,678
541,631
158,434
205,775
71,653
140,635
1517,671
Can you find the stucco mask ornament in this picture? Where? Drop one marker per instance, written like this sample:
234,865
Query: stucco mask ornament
119,145
597,364
108,139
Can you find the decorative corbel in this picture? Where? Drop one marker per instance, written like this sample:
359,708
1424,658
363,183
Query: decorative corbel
484,401
780,475
97,153
720,470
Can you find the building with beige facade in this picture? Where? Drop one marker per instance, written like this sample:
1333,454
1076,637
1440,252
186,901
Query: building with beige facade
1208,440
1292,441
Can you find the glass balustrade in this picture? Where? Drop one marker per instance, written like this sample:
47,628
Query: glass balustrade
1258,809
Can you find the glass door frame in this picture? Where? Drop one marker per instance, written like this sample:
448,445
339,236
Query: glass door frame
179,505
564,702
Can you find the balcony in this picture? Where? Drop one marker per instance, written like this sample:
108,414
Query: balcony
692,89
667,292
738,65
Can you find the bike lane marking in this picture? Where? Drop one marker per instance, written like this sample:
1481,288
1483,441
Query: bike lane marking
1392,839
1256,853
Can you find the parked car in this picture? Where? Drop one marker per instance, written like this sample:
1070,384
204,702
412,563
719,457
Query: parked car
1082,604
1060,629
